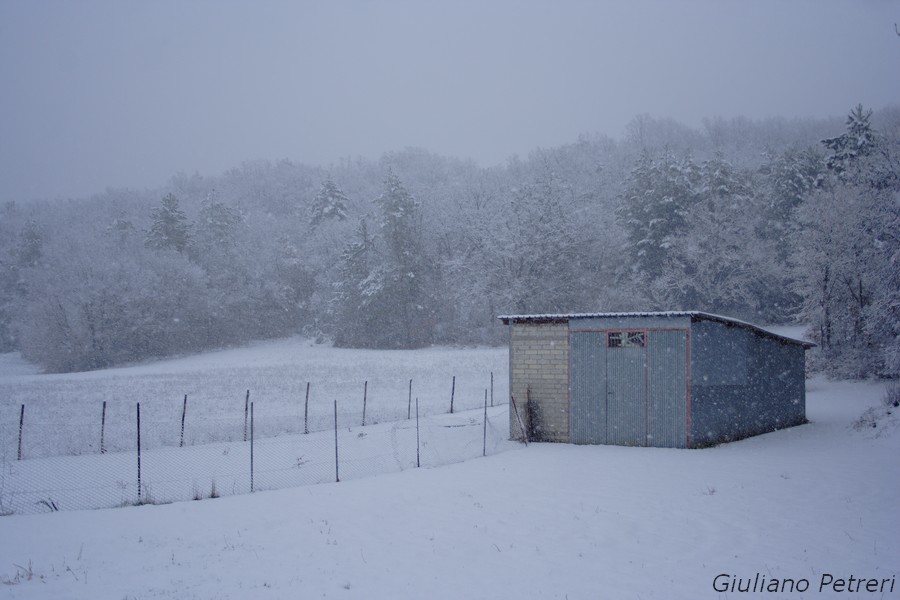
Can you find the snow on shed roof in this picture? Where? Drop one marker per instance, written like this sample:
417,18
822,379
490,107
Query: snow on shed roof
692,314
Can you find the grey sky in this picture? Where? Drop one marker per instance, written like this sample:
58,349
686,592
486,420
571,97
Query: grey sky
124,94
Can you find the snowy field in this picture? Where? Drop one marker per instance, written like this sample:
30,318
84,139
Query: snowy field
63,413
813,503
229,450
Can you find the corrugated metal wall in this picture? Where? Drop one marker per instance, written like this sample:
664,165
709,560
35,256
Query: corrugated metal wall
743,385
587,388
629,396
667,414
626,384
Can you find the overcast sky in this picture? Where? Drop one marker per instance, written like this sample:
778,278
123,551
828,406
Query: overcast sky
97,94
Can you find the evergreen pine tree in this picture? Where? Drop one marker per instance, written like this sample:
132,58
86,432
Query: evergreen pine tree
398,290
353,291
848,150
170,227
217,224
330,203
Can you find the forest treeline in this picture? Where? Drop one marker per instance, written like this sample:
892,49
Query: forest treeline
771,221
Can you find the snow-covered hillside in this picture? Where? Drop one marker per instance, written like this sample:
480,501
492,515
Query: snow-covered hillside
547,521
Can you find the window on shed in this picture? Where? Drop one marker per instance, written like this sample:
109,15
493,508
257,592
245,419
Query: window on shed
625,339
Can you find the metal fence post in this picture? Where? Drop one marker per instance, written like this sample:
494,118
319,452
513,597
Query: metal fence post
103,429
306,411
21,426
337,475
183,413
492,388
452,393
246,409
418,462
138,452
484,445
251,447
365,393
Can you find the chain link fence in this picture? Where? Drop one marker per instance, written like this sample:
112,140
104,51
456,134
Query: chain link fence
130,453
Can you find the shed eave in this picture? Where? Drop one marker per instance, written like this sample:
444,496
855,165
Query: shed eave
692,314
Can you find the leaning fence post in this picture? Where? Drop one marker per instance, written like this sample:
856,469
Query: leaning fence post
251,447
484,443
183,412
138,452
103,429
21,426
365,391
306,411
418,463
409,401
452,393
512,400
337,475
246,409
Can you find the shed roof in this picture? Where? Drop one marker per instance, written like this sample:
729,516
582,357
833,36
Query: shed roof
692,314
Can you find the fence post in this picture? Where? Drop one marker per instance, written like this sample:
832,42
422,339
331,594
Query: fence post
452,393
512,400
246,409
21,426
183,412
251,447
409,401
306,411
139,452
418,463
337,475
484,444
103,429
365,392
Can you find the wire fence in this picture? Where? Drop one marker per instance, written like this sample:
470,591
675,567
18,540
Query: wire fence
137,454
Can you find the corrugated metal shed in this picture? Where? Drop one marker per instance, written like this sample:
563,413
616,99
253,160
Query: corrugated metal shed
676,379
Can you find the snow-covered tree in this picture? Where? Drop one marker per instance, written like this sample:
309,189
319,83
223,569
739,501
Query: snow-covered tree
787,178
352,318
539,258
658,194
846,150
216,225
399,289
717,261
30,247
329,203
847,252
846,266
170,227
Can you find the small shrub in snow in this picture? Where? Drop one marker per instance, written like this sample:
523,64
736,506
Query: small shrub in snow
22,574
892,395
881,418
49,503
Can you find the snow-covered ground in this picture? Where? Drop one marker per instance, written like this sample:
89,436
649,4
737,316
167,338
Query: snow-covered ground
63,413
547,521
62,466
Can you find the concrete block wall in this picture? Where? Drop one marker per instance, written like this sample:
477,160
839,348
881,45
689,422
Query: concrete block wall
539,363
